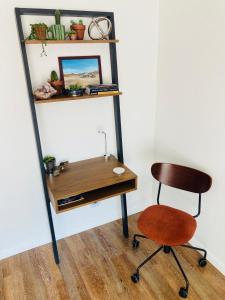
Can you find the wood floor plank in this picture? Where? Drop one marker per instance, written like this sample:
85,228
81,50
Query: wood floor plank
71,274
14,287
1,285
97,265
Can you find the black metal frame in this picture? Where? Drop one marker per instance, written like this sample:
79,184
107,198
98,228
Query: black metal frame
167,249
116,101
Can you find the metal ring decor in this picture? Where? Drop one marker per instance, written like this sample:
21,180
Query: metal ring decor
103,33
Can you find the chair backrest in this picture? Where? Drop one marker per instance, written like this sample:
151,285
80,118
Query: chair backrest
181,177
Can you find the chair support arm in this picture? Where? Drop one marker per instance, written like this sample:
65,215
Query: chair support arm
199,205
159,190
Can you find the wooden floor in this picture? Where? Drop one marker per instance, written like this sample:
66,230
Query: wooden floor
97,264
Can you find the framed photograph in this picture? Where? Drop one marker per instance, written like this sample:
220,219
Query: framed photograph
80,70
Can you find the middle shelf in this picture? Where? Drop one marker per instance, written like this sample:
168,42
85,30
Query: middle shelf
69,98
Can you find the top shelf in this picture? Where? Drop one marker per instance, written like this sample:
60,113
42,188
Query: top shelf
29,42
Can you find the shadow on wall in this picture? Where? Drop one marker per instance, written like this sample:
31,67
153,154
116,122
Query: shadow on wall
170,155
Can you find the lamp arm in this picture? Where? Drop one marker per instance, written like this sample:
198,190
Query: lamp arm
105,144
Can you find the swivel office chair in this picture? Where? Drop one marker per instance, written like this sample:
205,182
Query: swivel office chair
168,226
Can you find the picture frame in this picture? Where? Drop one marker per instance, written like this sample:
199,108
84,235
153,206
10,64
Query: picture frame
80,70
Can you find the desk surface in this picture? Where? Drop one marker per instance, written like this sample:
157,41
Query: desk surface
88,176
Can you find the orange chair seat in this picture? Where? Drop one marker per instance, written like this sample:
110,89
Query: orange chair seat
166,225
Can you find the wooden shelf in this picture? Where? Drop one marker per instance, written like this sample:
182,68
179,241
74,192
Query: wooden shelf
33,42
93,179
69,98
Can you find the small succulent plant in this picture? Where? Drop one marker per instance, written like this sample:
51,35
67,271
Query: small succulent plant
75,87
48,159
80,22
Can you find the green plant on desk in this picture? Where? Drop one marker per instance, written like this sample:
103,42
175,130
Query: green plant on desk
48,158
49,162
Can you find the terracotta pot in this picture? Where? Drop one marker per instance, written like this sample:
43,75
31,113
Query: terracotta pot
73,36
57,85
40,32
80,29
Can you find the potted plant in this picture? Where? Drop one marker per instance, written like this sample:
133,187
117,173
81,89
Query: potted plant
49,162
39,30
79,28
56,83
72,35
57,30
75,90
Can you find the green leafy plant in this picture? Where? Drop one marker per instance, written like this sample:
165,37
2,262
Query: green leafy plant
57,17
54,76
75,87
34,27
48,159
43,25
38,31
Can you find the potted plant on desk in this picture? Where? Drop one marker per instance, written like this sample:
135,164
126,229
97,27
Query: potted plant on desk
49,162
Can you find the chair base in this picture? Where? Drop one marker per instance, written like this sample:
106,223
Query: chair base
183,292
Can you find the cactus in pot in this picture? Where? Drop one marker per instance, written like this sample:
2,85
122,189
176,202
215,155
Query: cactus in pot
57,17
54,76
55,82
57,30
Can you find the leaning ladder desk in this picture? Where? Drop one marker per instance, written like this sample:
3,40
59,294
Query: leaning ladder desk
92,178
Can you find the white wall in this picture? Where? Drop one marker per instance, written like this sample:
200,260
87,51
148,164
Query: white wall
190,120
23,218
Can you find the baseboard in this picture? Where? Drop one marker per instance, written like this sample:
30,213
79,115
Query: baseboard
21,248
210,256
24,247
31,245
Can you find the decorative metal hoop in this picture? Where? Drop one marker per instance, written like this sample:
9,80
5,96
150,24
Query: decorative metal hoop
95,24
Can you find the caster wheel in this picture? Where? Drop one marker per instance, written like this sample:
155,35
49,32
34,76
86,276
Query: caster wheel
135,244
166,249
202,262
183,292
135,277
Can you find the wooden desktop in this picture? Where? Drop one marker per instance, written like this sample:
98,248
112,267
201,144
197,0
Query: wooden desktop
94,179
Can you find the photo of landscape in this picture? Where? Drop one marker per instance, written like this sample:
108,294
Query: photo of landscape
82,71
